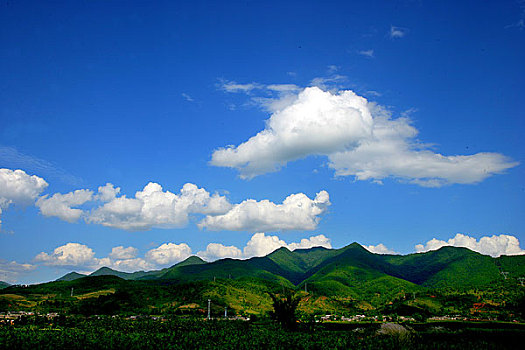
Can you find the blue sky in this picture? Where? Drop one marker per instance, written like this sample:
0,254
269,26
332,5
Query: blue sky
407,114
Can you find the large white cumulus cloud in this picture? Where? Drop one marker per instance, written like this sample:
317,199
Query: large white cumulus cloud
297,212
393,152
317,122
360,139
260,245
17,187
154,207
494,246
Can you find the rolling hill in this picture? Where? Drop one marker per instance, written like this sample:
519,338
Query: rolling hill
335,279
347,271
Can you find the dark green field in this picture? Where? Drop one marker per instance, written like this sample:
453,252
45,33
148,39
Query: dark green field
113,333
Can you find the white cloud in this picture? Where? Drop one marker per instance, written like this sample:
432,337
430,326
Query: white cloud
69,255
360,139
393,152
168,253
329,83
519,24
187,97
260,245
121,253
367,53
9,270
82,257
494,246
131,265
314,241
397,32
231,86
17,187
317,122
380,249
107,193
297,212
60,205
153,207
283,87
216,251
10,157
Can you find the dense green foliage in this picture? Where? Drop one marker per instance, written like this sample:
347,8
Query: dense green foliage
117,333
285,309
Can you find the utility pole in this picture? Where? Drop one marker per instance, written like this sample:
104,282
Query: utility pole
225,312
209,304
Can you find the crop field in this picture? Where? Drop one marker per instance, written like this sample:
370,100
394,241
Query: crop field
111,333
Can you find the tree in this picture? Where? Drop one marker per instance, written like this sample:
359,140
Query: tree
284,309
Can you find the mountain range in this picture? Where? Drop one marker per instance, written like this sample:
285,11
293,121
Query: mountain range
351,279
349,270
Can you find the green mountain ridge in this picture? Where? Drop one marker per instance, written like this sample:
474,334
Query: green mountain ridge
351,271
350,279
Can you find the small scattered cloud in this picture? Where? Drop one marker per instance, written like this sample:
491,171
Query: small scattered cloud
380,249
373,93
297,212
215,251
232,86
397,32
168,253
494,246
367,53
187,97
329,83
332,69
260,245
10,270
10,157
518,25
408,112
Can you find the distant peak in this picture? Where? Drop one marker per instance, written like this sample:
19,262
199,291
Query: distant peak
104,268
71,276
192,260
